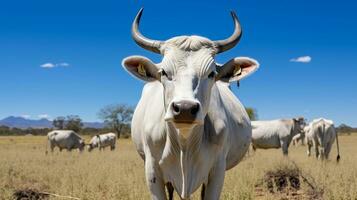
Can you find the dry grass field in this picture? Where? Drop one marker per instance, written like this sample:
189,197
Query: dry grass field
120,174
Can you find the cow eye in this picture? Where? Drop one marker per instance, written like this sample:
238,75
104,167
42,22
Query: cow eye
212,74
163,73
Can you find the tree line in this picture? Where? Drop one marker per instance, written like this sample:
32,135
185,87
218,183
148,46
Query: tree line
344,129
8,131
116,117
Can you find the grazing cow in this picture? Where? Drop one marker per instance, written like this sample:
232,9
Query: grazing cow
188,126
276,133
65,139
321,134
102,141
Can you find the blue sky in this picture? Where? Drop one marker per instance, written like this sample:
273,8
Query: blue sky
85,41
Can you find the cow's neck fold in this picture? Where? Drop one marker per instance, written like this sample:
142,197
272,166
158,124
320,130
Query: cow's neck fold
178,143
185,149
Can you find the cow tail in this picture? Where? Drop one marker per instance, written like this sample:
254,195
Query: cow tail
338,148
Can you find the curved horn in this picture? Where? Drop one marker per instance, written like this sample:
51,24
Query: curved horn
148,44
224,45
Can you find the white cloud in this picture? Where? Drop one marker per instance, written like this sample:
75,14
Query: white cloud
64,64
48,65
26,116
43,116
52,65
302,59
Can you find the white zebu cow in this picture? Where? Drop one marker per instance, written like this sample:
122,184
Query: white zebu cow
321,134
102,141
188,126
65,139
276,133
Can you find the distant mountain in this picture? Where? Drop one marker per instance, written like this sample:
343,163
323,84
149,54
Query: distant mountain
343,128
20,122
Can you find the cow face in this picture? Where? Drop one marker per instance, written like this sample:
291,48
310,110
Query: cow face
300,124
187,77
187,71
81,145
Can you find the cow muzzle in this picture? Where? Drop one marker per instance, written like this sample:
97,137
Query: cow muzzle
184,112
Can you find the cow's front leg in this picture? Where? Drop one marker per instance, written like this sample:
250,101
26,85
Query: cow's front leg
52,146
284,147
154,180
212,190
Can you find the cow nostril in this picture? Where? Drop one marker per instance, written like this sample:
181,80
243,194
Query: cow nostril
175,108
195,109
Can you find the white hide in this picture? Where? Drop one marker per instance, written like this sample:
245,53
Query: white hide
65,139
275,133
102,141
321,135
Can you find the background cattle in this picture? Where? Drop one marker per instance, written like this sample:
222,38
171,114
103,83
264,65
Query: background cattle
276,133
65,139
188,126
321,134
102,141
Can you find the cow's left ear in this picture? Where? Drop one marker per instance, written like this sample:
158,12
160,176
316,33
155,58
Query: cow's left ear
236,69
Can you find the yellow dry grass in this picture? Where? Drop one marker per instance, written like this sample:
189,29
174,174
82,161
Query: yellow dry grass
120,174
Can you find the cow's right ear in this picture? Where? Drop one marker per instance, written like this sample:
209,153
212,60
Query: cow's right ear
141,67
